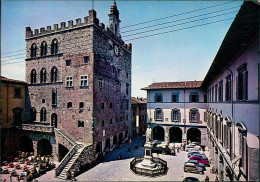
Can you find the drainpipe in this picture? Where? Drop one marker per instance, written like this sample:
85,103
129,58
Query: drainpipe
233,122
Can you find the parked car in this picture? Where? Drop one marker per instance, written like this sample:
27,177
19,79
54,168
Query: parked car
191,167
161,150
200,160
197,163
191,179
5,171
11,165
203,156
190,153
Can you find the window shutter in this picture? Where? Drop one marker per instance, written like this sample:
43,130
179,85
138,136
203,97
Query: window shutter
155,98
177,98
198,116
189,98
179,115
190,115
197,98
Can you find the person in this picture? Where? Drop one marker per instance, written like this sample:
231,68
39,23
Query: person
207,178
216,178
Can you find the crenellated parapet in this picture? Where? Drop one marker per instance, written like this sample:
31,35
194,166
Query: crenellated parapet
90,19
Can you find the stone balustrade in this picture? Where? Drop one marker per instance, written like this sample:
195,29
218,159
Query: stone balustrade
38,128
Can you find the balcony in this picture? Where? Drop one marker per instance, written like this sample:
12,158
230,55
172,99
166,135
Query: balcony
38,128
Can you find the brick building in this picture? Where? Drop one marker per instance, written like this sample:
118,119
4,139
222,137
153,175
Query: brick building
138,110
79,89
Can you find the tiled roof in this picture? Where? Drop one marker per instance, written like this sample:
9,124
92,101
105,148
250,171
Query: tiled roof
170,85
138,101
4,79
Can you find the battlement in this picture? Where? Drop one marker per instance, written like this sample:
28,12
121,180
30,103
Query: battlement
90,19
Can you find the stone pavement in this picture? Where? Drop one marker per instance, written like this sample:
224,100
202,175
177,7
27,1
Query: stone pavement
112,169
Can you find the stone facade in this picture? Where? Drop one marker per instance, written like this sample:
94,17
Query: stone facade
80,80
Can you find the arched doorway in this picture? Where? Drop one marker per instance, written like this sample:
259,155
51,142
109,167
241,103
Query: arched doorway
115,140
158,133
194,135
62,152
54,120
44,147
175,135
98,147
26,144
107,144
120,138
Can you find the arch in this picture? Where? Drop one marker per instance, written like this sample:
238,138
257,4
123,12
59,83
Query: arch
120,138
54,46
62,151
33,50
115,139
98,147
43,75
33,114
54,74
43,48
44,147
158,133
194,135
25,144
33,76
54,120
69,105
175,135
43,114
107,144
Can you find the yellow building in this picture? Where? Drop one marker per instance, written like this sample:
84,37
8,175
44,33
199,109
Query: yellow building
12,102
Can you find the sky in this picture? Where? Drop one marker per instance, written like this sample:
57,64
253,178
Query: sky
182,54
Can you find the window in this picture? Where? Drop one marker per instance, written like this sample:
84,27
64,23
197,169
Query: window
84,80
127,88
102,105
69,105
194,115
54,46
43,48
43,101
17,93
100,82
118,86
216,93
220,91
68,62
17,115
194,97
81,105
110,105
43,75
80,124
127,75
54,74
33,50
158,114
33,114
33,76
242,80
176,115
175,97
212,95
54,98
228,88
86,59
69,81
111,121
158,97
43,114
103,123
205,98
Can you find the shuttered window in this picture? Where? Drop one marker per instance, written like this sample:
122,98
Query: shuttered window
241,81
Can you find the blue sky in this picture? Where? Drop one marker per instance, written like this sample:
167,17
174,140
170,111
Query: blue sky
177,56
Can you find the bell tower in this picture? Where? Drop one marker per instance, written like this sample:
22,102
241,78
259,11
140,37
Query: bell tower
114,19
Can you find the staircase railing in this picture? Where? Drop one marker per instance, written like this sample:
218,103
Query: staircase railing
66,136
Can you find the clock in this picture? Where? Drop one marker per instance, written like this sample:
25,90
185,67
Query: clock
116,50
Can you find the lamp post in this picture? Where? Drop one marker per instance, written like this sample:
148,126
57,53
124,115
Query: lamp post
232,114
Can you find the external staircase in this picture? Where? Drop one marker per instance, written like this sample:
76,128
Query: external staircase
67,164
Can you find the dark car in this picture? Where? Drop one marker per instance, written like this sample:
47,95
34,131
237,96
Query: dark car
192,152
191,179
197,163
161,150
203,156
191,167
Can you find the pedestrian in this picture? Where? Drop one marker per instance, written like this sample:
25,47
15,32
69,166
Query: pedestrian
17,177
216,178
207,178
10,177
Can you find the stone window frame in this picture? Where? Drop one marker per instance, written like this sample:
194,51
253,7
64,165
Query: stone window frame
69,81
157,116
81,105
54,47
191,97
84,80
44,48
85,59
242,83
33,50
173,117
228,88
158,97
17,92
54,74
43,114
43,75
54,97
69,105
80,124
68,62
220,91
33,76
175,97
33,114
194,115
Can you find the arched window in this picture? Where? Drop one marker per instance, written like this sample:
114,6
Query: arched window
43,114
33,114
69,105
53,98
43,48
54,74
33,76
43,75
54,46
33,50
